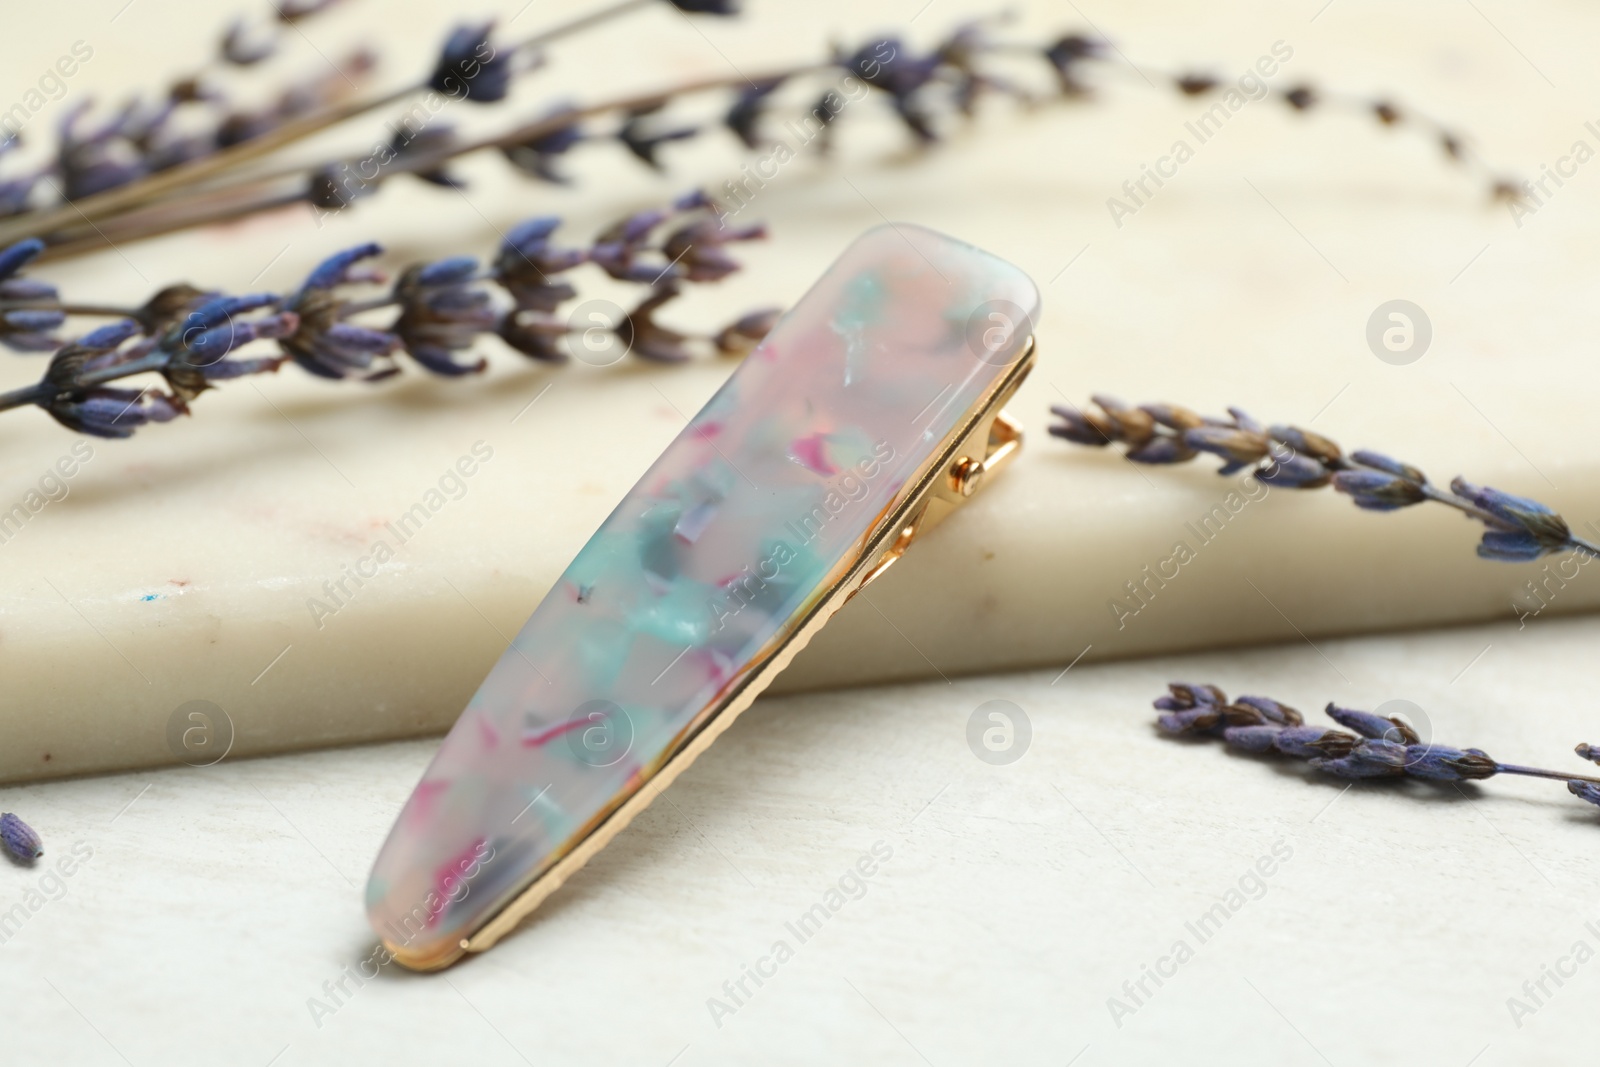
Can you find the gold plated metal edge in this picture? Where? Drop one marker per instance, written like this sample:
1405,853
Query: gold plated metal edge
944,483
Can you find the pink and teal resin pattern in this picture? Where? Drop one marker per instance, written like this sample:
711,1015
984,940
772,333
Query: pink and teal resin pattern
746,520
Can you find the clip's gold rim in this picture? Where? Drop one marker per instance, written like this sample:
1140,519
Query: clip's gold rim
943,483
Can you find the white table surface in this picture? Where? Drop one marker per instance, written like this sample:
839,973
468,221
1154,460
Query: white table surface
1017,899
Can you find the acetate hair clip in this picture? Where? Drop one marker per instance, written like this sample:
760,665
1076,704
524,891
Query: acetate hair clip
871,410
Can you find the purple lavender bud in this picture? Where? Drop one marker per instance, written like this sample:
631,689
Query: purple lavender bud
1161,450
531,234
19,838
335,269
1312,742
1307,443
1511,546
641,136
1234,445
1198,720
1252,738
33,319
240,50
1241,420
1390,466
538,155
1369,725
441,314
109,412
744,117
1172,416
1585,791
1294,472
17,256
110,335
1445,764
217,311
1272,711
349,335
1082,427
1517,513
27,289
1588,752
451,271
471,68
1368,759
1378,490
1066,54
747,331
1243,715
1183,695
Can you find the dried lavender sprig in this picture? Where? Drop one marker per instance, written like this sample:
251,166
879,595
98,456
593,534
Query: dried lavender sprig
1280,456
919,86
1303,97
243,138
1372,746
19,839
185,334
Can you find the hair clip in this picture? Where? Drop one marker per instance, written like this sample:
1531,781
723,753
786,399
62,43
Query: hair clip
870,411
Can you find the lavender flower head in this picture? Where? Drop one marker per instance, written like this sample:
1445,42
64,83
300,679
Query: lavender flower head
442,313
324,343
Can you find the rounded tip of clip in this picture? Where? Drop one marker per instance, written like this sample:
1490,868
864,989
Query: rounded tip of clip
433,958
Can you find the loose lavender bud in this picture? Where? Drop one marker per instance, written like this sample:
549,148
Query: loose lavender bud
19,838
1445,764
1585,791
1252,738
1369,759
1272,711
1313,742
1369,725
1588,752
